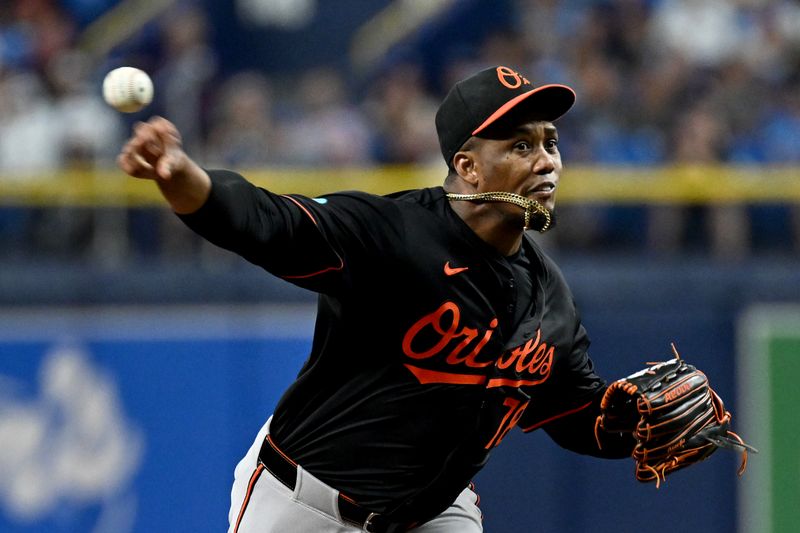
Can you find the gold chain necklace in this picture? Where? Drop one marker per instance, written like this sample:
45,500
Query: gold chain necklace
529,205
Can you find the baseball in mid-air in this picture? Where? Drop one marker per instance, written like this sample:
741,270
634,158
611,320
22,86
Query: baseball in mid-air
127,89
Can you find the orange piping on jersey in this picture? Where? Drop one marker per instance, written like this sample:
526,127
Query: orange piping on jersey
324,270
348,498
555,417
303,208
329,269
432,376
501,382
275,447
250,486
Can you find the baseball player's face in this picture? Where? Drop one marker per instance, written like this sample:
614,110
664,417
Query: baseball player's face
524,160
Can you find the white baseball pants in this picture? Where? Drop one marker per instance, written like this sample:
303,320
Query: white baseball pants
271,507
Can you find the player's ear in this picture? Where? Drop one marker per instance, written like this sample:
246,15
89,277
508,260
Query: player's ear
465,166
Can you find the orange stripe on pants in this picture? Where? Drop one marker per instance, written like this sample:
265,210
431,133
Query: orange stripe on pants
253,479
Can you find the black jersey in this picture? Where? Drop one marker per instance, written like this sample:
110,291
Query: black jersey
428,347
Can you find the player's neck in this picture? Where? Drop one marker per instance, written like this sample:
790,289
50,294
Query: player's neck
501,233
507,242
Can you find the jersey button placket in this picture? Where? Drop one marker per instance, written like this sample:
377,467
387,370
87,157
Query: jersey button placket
512,296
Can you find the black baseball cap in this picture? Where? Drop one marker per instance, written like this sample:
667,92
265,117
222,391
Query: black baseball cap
483,99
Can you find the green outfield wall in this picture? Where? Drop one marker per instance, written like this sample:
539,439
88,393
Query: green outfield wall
769,399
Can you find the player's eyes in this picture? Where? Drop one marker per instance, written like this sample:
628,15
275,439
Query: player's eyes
522,145
551,144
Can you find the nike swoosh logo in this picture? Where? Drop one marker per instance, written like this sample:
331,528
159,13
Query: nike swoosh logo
450,271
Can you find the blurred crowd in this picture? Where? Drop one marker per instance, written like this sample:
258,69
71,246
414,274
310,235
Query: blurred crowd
659,82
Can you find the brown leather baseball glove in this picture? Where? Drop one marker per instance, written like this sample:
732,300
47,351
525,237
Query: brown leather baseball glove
675,416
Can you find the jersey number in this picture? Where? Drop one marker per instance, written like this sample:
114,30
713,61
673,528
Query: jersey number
512,416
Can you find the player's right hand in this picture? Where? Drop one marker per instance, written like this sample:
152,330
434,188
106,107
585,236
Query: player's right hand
154,151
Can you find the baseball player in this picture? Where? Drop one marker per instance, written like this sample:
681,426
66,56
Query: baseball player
441,323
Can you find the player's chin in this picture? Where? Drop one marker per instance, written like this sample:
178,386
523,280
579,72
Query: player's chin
546,199
548,203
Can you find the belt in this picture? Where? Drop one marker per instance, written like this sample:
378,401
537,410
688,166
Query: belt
285,471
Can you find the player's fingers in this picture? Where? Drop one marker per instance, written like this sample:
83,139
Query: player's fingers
132,163
154,151
165,166
166,130
174,158
175,161
147,142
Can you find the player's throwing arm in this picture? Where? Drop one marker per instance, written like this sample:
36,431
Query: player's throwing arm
155,152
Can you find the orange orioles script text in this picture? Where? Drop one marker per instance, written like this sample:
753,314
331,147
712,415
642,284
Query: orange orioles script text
452,353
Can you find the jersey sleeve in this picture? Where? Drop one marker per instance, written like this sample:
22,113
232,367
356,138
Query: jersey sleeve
305,241
572,388
570,415
566,407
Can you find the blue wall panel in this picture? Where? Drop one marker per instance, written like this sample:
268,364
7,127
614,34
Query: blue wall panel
167,418
186,389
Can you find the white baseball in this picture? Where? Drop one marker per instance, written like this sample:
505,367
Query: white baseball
127,89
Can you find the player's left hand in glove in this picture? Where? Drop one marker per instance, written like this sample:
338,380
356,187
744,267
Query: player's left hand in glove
675,416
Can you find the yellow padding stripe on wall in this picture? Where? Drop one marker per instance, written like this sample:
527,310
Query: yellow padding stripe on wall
579,184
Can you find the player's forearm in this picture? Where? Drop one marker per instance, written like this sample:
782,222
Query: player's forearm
576,432
188,190
237,216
